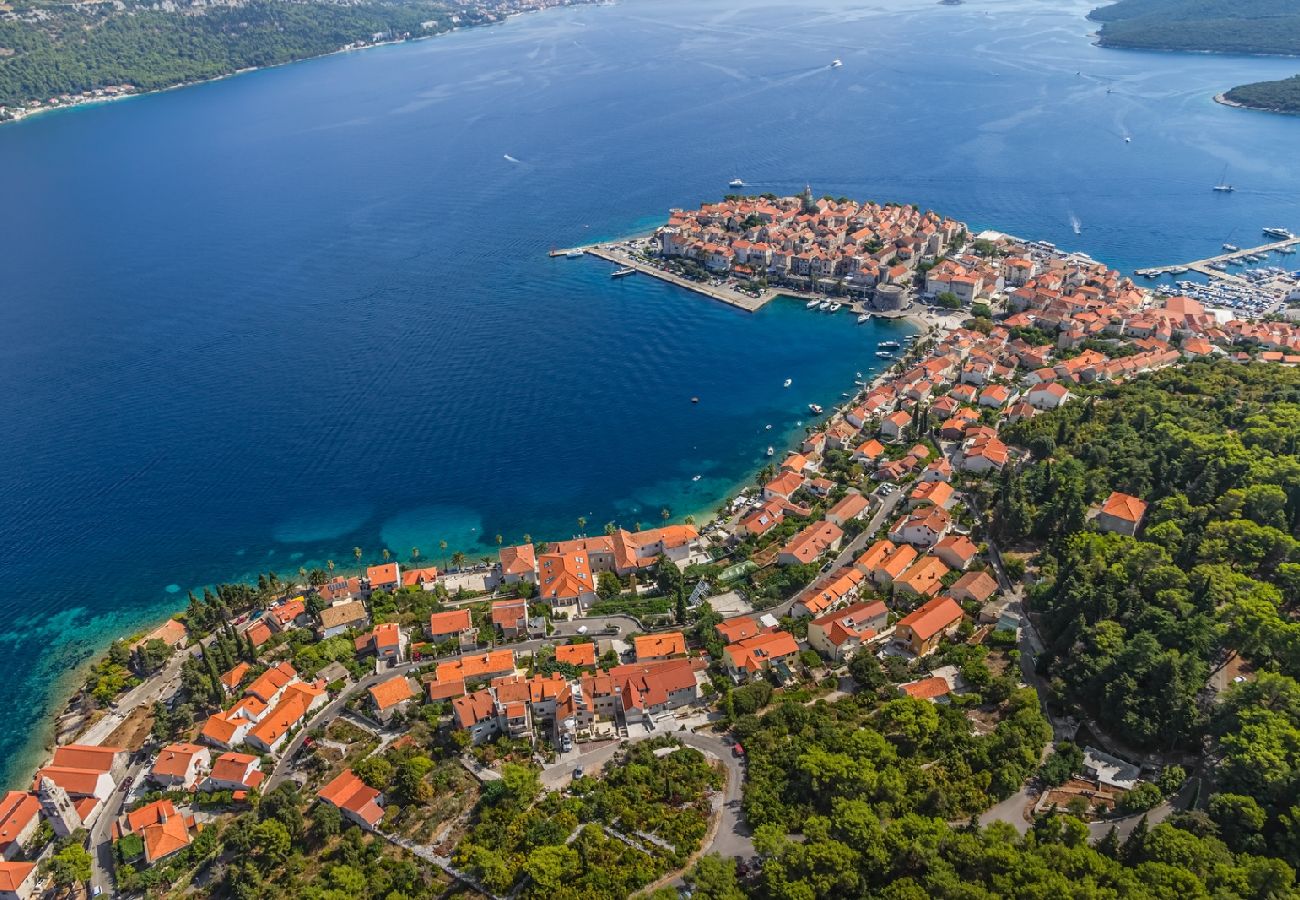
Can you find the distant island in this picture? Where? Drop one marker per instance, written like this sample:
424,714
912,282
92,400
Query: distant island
55,56
1220,26
1269,27
1274,96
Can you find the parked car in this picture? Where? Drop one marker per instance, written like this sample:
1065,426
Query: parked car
582,629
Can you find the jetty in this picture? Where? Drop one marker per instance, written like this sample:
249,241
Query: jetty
620,256
1205,266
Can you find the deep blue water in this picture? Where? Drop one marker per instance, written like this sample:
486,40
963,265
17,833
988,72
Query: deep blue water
254,323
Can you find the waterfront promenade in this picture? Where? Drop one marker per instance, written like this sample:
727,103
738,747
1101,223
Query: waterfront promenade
619,255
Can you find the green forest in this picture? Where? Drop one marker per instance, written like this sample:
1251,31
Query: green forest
86,46
1227,26
876,797
1282,96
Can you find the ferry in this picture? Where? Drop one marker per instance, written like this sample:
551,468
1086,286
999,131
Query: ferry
735,182
572,254
863,317
622,273
834,307
787,382
815,409
1281,233
811,304
889,344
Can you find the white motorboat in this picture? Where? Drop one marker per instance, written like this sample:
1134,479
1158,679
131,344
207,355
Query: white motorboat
787,382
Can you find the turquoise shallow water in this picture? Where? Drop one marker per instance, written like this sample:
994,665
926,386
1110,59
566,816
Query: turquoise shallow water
256,323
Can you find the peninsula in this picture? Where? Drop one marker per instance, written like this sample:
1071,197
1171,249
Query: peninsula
55,55
1271,96
1014,620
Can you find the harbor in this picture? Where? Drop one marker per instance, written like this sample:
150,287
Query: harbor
1207,265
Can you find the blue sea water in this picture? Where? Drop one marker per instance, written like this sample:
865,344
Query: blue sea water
252,324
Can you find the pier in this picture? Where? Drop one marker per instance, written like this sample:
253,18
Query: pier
1204,265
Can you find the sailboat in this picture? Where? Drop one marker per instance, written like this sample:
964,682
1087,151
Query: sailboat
1223,187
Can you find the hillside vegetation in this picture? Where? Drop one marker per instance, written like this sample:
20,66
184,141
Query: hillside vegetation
1227,26
50,50
869,796
1280,96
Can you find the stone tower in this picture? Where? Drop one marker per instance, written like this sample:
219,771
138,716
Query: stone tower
58,808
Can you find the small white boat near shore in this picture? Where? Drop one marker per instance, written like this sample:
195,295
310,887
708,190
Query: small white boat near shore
811,304
835,307
771,451
863,317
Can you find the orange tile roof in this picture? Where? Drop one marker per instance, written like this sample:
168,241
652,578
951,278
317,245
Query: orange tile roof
349,792
477,666
924,577
926,688
165,838
287,713
737,629
1124,506
259,633
382,574
510,613
174,759
450,622
650,646
576,654
234,767
929,619
389,693
86,756
519,560
13,874
17,809
751,654
265,686
419,577
232,678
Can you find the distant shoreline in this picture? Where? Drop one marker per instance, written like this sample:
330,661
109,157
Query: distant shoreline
95,101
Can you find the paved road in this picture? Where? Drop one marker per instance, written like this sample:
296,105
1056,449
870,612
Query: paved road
849,552
733,837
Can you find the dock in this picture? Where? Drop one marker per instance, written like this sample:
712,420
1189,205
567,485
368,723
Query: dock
1204,266
614,254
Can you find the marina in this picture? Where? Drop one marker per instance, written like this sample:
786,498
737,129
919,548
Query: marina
1206,266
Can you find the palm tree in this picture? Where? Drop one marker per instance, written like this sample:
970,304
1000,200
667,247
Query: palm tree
458,559
302,571
665,514
610,528
442,545
415,554
582,523
689,520
329,564
499,540
356,551
385,554
485,560
636,525
528,538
